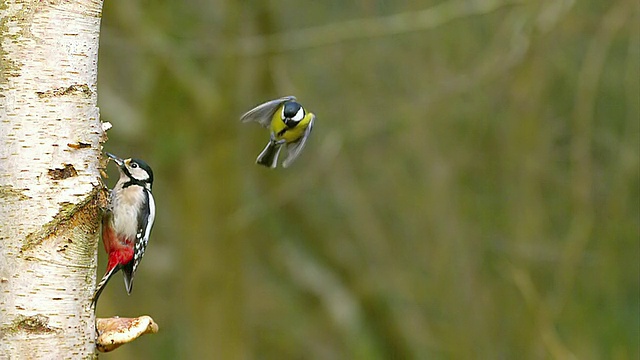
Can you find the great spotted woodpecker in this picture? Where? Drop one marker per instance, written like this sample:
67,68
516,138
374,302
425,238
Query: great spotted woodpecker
127,223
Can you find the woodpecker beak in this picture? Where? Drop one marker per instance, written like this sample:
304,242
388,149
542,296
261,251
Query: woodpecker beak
116,159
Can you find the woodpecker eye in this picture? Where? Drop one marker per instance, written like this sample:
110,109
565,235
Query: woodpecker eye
134,165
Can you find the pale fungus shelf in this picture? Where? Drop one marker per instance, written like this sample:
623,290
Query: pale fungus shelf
116,331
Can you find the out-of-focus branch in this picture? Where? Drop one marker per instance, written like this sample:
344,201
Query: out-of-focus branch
406,22
583,215
147,35
545,325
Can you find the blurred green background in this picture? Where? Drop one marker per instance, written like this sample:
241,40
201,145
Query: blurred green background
470,190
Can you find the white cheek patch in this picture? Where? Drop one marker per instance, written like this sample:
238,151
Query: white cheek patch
299,115
138,173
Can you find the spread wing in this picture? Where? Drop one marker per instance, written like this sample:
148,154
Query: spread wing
264,112
295,148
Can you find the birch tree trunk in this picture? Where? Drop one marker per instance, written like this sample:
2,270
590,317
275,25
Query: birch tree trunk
50,150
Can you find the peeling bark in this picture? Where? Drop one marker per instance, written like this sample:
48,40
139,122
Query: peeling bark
50,187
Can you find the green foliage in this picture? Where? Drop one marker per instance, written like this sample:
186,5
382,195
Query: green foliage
470,189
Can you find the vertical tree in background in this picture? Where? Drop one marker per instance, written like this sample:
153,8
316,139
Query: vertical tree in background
50,145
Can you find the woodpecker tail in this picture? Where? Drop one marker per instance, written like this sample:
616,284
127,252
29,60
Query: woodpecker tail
127,273
102,284
269,156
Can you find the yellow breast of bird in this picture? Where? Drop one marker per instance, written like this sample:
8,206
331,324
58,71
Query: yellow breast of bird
280,130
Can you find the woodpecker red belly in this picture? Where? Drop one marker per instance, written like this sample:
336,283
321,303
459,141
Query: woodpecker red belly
119,249
120,252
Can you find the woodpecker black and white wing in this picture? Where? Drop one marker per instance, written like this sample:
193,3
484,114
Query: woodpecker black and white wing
144,230
295,148
263,113
145,222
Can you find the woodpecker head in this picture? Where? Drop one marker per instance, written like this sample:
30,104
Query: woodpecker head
134,171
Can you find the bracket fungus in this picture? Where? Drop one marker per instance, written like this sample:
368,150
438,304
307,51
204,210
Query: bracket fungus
116,331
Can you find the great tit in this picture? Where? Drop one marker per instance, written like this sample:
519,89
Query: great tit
290,125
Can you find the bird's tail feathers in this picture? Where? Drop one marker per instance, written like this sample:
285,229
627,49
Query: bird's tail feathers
127,273
269,156
102,284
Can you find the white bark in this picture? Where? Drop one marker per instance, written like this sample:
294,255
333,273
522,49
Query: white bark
50,145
